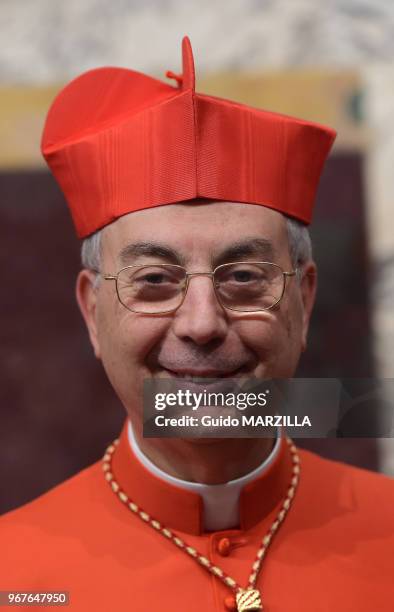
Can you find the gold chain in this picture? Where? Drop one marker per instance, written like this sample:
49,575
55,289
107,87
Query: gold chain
248,598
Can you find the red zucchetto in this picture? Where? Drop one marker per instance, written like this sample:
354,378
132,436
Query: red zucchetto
118,141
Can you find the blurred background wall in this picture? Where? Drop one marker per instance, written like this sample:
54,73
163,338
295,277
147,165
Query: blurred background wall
329,62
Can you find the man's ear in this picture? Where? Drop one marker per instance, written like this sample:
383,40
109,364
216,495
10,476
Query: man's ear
308,286
86,294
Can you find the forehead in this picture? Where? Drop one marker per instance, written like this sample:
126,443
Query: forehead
191,228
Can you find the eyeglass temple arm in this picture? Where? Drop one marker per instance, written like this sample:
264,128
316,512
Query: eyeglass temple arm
298,272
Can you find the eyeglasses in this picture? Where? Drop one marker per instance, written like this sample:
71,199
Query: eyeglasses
243,286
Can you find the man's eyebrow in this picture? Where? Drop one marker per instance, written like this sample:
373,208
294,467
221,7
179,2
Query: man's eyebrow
148,249
260,248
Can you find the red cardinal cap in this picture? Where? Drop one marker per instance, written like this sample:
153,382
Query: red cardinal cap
118,141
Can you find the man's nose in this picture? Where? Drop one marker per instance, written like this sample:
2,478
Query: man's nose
201,318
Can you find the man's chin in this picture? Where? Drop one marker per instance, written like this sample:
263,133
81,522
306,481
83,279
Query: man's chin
201,441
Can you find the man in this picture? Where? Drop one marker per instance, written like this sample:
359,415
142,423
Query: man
196,264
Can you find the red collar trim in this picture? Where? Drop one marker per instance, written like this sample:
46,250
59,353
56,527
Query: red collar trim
182,510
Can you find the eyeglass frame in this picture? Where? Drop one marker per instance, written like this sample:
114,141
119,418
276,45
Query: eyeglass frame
188,275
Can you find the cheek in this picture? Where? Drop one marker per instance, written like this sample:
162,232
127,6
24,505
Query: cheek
139,335
289,341
266,336
125,341
126,338
275,339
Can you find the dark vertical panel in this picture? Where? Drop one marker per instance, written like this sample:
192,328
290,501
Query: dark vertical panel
340,338
340,341
57,409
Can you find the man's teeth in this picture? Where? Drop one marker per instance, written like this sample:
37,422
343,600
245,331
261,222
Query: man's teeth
196,376
190,376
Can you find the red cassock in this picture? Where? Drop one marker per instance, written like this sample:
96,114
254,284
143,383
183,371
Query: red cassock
334,551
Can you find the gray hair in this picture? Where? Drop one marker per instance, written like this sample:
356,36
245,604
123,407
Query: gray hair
300,246
91,252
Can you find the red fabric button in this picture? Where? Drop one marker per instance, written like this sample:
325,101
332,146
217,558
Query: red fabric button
224,547
230,603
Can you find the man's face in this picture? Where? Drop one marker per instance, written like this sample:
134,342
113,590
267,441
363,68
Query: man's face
201,338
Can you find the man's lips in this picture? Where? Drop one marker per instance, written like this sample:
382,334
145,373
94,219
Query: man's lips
202,373
199,379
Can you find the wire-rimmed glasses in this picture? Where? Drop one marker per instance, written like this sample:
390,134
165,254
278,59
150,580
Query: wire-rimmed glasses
243,286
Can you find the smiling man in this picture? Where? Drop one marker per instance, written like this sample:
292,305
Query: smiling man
201,337
196,264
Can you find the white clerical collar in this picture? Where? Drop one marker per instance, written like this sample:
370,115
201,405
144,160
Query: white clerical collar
221,502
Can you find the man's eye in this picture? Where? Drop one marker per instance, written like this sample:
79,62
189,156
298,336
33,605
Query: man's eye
153,279
156,278
243,276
